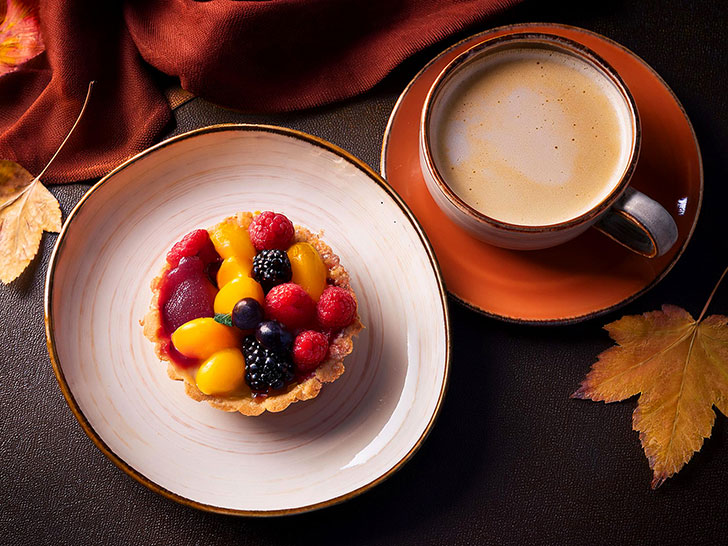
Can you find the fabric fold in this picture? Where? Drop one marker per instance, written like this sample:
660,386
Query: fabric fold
271,56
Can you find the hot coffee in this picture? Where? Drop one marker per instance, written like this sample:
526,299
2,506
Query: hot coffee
534,136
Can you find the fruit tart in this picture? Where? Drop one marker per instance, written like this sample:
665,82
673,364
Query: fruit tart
253,314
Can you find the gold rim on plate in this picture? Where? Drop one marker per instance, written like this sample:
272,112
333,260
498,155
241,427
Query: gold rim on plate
86,425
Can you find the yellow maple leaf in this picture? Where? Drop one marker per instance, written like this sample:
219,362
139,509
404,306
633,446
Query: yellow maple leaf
20,38
27,209
679,367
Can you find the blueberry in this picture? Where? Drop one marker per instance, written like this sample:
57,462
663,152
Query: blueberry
247,314
272,335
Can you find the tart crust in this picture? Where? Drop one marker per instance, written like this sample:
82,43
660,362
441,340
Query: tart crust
328,371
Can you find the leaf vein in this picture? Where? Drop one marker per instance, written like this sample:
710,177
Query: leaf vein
680,391
716,360
655,355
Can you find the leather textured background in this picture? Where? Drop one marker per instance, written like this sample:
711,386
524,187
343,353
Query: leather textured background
512,460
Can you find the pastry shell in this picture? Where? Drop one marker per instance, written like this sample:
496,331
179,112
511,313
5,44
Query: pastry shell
328,371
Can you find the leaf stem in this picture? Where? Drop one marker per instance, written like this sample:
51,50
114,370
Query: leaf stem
80,114
710,298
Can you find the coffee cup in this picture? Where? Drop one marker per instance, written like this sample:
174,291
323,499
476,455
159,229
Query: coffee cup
528,140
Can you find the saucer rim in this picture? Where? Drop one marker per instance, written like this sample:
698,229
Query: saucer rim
474,39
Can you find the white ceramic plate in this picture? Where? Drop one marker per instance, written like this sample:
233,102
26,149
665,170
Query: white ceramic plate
357,432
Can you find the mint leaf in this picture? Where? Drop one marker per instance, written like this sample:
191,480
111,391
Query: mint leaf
224,318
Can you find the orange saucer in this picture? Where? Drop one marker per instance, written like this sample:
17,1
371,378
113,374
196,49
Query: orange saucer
590,275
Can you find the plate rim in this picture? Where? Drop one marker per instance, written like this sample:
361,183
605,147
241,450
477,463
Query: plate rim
597,312
137,475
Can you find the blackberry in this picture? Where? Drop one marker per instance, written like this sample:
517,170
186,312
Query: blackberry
265,369
271,268
249,345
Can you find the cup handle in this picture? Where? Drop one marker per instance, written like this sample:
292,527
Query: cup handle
639,223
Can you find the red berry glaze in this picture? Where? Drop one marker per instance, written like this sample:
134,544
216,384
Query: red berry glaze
290,305
177,357
309,349
271,230
195,243
336,308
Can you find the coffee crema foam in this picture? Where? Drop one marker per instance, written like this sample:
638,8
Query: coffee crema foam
531,136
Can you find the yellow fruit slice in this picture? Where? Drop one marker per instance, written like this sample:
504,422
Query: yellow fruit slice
199,338
223,373
234,291
308,269
232,268
232,240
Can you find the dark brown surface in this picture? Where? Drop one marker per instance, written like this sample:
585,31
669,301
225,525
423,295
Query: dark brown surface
512,460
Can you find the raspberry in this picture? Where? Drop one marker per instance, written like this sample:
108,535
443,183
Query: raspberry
290,305
195,243
271,268
336,308
309,349
270,230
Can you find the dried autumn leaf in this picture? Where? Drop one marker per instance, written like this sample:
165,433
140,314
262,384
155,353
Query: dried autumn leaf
27,208
679,367
20,38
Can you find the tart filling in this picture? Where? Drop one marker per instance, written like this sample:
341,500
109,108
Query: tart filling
253,314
